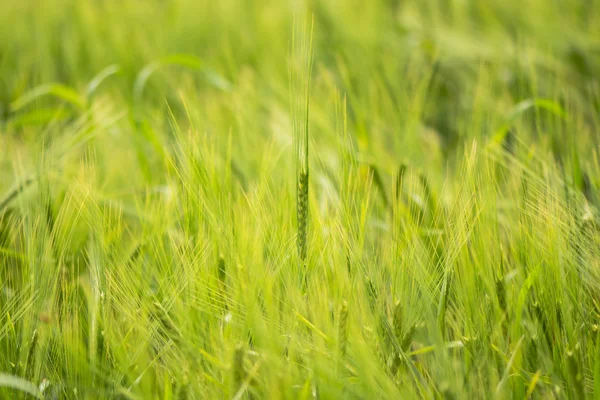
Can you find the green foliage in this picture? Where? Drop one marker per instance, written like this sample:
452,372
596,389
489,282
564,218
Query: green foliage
165,231
14,382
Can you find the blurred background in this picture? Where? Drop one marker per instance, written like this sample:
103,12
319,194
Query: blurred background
417,75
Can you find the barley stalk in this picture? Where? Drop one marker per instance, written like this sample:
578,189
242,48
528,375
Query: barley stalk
398,330
301,60
166,323
575,373
29,365
222,270
183,392
501,292
343,330
239,374
223,283
397,321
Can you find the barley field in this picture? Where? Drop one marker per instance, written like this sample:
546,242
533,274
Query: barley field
299,199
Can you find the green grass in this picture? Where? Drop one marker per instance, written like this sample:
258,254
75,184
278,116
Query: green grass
206,200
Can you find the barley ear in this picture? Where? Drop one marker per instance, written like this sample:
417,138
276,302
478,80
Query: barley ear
302,213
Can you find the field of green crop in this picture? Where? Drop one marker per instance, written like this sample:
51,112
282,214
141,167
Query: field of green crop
299,199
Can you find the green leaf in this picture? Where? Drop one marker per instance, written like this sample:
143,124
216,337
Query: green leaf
520,109
57,90
522,298
184,60
217,80
14,193
41,116
14,382
99,78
